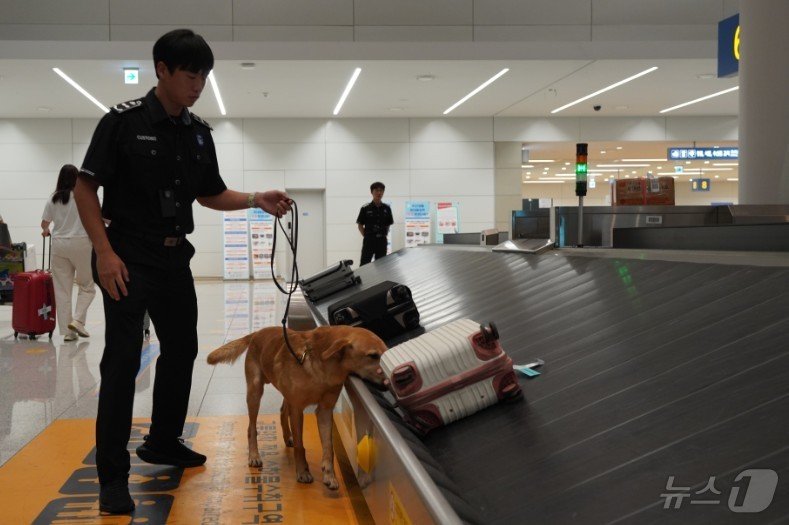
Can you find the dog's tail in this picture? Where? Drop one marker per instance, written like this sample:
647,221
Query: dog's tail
229,352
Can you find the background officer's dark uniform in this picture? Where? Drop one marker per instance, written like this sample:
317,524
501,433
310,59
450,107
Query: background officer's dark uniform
152,167
376,221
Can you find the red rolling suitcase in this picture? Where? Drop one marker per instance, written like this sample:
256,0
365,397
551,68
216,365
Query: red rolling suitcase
33,312
449,373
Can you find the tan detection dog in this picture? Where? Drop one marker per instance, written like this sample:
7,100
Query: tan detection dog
332,353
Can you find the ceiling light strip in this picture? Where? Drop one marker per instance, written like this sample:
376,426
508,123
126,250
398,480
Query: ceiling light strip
719,93
644,160
608,88
348,88
622,165
217,94
480,88
79,88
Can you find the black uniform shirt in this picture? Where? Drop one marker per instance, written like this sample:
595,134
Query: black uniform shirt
376,219
152,167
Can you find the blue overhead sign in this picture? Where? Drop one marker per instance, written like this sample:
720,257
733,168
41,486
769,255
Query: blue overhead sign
729,46
703,153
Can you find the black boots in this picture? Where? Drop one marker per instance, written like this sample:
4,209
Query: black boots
114,497
172,452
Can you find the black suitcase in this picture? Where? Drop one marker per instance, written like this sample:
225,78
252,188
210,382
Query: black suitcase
387,309
329,281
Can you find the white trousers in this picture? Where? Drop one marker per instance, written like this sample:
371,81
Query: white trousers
70,260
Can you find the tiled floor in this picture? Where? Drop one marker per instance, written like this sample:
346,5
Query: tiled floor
42,380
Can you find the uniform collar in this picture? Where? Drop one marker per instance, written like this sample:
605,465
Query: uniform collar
157,112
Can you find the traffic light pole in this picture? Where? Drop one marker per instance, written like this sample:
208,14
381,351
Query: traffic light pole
580,222
581,168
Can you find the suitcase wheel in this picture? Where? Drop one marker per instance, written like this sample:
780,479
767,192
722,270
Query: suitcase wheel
512,392
411,319
32,336
401,294
342,316
490,333
16,334
50,335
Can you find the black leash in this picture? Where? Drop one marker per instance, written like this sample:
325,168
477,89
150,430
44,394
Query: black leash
293,241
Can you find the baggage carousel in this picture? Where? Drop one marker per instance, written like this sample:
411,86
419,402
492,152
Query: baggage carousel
663,396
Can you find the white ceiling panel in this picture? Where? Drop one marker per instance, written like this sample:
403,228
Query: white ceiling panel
293,12
71,12
413,12
645,12
385,88
532,12
674,82
184,13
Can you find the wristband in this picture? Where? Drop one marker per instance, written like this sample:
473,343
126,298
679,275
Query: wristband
250,200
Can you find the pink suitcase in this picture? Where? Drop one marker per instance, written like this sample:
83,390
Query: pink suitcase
33,311
449,373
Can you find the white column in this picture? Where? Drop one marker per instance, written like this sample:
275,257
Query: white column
508,183
764,102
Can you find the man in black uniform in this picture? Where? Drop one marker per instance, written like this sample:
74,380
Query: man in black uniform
153,158
373,221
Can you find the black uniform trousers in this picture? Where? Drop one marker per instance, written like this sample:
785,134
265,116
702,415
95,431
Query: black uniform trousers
373,244
161,282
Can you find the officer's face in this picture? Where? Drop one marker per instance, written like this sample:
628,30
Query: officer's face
378,194
182,87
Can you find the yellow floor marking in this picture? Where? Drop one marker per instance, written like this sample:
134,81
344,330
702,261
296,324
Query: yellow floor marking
52,479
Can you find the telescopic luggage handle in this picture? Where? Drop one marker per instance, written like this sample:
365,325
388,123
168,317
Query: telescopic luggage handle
44,252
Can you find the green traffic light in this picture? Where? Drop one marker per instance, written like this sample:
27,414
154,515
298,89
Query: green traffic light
580,169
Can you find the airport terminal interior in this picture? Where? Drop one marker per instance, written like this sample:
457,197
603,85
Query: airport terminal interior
583,300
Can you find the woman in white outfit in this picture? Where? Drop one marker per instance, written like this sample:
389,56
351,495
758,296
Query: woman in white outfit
71,250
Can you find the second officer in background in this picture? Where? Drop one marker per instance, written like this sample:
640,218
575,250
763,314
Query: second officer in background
374,221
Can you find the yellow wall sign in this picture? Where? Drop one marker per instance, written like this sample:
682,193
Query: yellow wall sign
365,453
397,513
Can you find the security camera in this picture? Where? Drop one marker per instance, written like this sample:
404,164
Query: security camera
597,107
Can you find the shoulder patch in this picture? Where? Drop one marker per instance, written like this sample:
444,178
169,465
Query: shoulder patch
126,106
201,121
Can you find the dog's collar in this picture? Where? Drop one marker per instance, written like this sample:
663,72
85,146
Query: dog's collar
305,354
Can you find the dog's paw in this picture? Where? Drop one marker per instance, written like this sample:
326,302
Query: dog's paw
255,460
304,477
330,480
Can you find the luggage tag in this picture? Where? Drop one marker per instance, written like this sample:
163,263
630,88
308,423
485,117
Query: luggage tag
528,369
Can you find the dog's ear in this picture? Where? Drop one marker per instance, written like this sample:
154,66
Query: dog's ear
337,347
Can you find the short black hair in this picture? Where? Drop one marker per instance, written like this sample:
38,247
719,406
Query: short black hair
377,186
183,49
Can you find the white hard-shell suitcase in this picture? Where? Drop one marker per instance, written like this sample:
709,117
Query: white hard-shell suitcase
449,373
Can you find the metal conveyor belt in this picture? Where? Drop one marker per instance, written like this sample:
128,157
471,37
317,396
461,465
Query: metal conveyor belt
652,369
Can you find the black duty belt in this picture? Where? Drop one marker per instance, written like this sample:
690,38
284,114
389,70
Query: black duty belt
153,239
